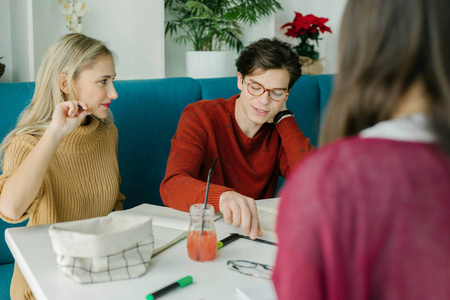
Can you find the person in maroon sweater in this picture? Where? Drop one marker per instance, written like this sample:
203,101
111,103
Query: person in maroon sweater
368,216
252,134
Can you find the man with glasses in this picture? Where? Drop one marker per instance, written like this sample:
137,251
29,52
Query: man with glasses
253,134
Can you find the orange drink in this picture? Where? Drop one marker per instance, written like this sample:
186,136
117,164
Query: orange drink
202,238
202,247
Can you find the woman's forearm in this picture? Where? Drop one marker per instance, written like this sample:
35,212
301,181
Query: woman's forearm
24,184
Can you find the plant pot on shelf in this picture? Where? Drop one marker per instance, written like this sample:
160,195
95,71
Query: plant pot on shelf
310,66
207,64
2,69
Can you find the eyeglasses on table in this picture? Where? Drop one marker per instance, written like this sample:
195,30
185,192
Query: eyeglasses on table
251,268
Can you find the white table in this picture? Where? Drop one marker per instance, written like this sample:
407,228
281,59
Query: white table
32,250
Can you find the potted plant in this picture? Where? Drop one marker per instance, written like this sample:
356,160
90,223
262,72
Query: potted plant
2,68
307,29
211,25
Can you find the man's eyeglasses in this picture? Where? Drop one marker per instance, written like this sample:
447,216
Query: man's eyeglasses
251,268
256,89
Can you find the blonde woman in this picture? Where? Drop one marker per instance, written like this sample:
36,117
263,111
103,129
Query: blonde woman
60,162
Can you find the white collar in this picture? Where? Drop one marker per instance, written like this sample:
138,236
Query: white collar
410,128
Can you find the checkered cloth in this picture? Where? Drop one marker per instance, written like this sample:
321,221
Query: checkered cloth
103,249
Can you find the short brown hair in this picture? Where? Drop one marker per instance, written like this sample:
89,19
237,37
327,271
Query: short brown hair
269,54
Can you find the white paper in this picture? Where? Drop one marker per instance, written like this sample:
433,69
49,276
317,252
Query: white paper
267,214
169,225
266,292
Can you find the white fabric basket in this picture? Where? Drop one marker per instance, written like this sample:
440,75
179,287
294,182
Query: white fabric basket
103,249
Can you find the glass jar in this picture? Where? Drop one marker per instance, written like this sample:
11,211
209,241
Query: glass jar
202,238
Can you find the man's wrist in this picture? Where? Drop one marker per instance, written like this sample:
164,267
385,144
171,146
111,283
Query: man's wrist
281,115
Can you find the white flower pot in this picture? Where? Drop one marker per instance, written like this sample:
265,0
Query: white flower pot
207,64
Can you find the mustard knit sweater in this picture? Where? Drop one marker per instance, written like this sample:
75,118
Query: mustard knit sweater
82,181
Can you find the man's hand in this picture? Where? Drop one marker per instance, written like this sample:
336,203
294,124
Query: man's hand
240,211
283,107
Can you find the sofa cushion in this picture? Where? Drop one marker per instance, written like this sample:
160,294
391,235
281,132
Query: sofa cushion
213,88
325,87
6,272
145,132
5,255
14,97
306,92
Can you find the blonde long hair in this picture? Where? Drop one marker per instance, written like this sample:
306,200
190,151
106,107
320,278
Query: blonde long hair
70,54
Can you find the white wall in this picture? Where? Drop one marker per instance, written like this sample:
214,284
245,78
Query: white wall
21,34
134,30
269,27
5,37
48,25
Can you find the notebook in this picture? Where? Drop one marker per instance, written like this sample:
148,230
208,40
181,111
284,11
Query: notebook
266,292
267,214
169,225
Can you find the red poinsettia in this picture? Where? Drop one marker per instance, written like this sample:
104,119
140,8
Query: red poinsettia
306,28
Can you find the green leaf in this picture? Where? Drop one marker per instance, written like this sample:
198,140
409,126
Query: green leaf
198,9
211,24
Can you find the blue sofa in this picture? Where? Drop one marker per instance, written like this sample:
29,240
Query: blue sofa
146,115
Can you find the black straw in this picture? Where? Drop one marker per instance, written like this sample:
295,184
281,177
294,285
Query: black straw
206,193
207,183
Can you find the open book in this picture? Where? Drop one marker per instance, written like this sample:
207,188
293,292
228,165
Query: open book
169,225
267,214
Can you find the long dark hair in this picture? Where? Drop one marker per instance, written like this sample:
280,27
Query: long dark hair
386,46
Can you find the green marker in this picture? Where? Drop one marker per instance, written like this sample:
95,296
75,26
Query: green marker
179,284
232,237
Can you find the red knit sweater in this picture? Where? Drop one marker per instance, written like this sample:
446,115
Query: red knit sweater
207,130
366,219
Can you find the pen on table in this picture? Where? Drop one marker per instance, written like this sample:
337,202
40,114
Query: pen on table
178,284
258,240
231,238
95,117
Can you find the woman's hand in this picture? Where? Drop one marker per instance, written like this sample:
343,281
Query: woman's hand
68,116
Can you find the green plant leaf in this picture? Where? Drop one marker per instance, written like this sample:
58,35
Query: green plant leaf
198,9
211,24
251,11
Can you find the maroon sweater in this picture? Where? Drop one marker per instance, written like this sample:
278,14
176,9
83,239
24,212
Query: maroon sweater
366,219
207,130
